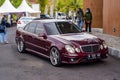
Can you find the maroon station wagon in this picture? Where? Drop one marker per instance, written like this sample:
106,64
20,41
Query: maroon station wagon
61,41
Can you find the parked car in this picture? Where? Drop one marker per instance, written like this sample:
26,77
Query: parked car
61,41
23,21
60,15
45,16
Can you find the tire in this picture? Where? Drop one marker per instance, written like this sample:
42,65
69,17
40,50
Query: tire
20,46
55,57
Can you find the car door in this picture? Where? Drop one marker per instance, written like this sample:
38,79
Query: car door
29,35
42,44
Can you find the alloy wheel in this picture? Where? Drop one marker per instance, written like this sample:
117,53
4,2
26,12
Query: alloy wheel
20,46
55,57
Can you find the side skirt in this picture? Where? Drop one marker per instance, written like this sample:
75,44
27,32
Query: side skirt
37,52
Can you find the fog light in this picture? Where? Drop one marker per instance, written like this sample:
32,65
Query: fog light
71,60
98,55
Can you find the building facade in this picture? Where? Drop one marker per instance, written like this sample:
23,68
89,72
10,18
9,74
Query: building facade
106,15
96,7
111,17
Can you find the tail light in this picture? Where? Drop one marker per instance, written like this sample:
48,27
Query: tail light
19,22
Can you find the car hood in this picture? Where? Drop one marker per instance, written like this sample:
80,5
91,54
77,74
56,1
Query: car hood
79,38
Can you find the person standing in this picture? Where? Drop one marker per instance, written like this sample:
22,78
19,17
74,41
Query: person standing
80,18
88,20
3,33
2,30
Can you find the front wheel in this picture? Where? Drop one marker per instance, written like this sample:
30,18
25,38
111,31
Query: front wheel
55,57
20,46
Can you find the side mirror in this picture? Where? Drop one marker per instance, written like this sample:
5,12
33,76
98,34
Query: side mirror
43,35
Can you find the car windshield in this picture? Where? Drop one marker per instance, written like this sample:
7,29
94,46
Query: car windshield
61,28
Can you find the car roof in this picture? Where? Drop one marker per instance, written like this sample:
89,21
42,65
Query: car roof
24,17
51,20
28,17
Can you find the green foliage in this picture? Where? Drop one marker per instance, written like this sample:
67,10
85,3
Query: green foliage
1,2
42,3
66,5
15,3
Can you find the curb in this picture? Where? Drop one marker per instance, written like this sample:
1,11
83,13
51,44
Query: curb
114,52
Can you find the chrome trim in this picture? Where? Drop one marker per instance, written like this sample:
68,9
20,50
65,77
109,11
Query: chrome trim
90,45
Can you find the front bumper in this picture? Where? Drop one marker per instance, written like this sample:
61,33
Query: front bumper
84,58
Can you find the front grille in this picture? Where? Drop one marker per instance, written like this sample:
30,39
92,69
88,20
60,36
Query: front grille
90,48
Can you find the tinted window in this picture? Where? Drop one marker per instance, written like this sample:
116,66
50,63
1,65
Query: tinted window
51,29
31,27
39,29
45,16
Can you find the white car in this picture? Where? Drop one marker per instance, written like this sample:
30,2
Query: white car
60,15
23,21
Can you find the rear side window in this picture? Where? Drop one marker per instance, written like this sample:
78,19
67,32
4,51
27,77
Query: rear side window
30,27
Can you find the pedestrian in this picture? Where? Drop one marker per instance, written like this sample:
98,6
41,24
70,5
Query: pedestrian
88,20
80,18
3,30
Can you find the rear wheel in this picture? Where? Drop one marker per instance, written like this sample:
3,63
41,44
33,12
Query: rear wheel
20,46
55,57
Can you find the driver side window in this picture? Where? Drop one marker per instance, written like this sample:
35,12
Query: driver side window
39,29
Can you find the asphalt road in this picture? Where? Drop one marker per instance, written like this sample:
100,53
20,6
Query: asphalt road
15,66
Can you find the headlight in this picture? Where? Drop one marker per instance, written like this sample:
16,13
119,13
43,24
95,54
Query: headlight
105,45
70,49
77,50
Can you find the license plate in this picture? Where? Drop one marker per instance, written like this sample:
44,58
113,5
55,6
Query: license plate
93,56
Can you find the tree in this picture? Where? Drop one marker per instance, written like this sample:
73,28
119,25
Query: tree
1,2
65,5
15,3
74,4
43,4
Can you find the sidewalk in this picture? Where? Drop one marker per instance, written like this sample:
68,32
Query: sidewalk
113,42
